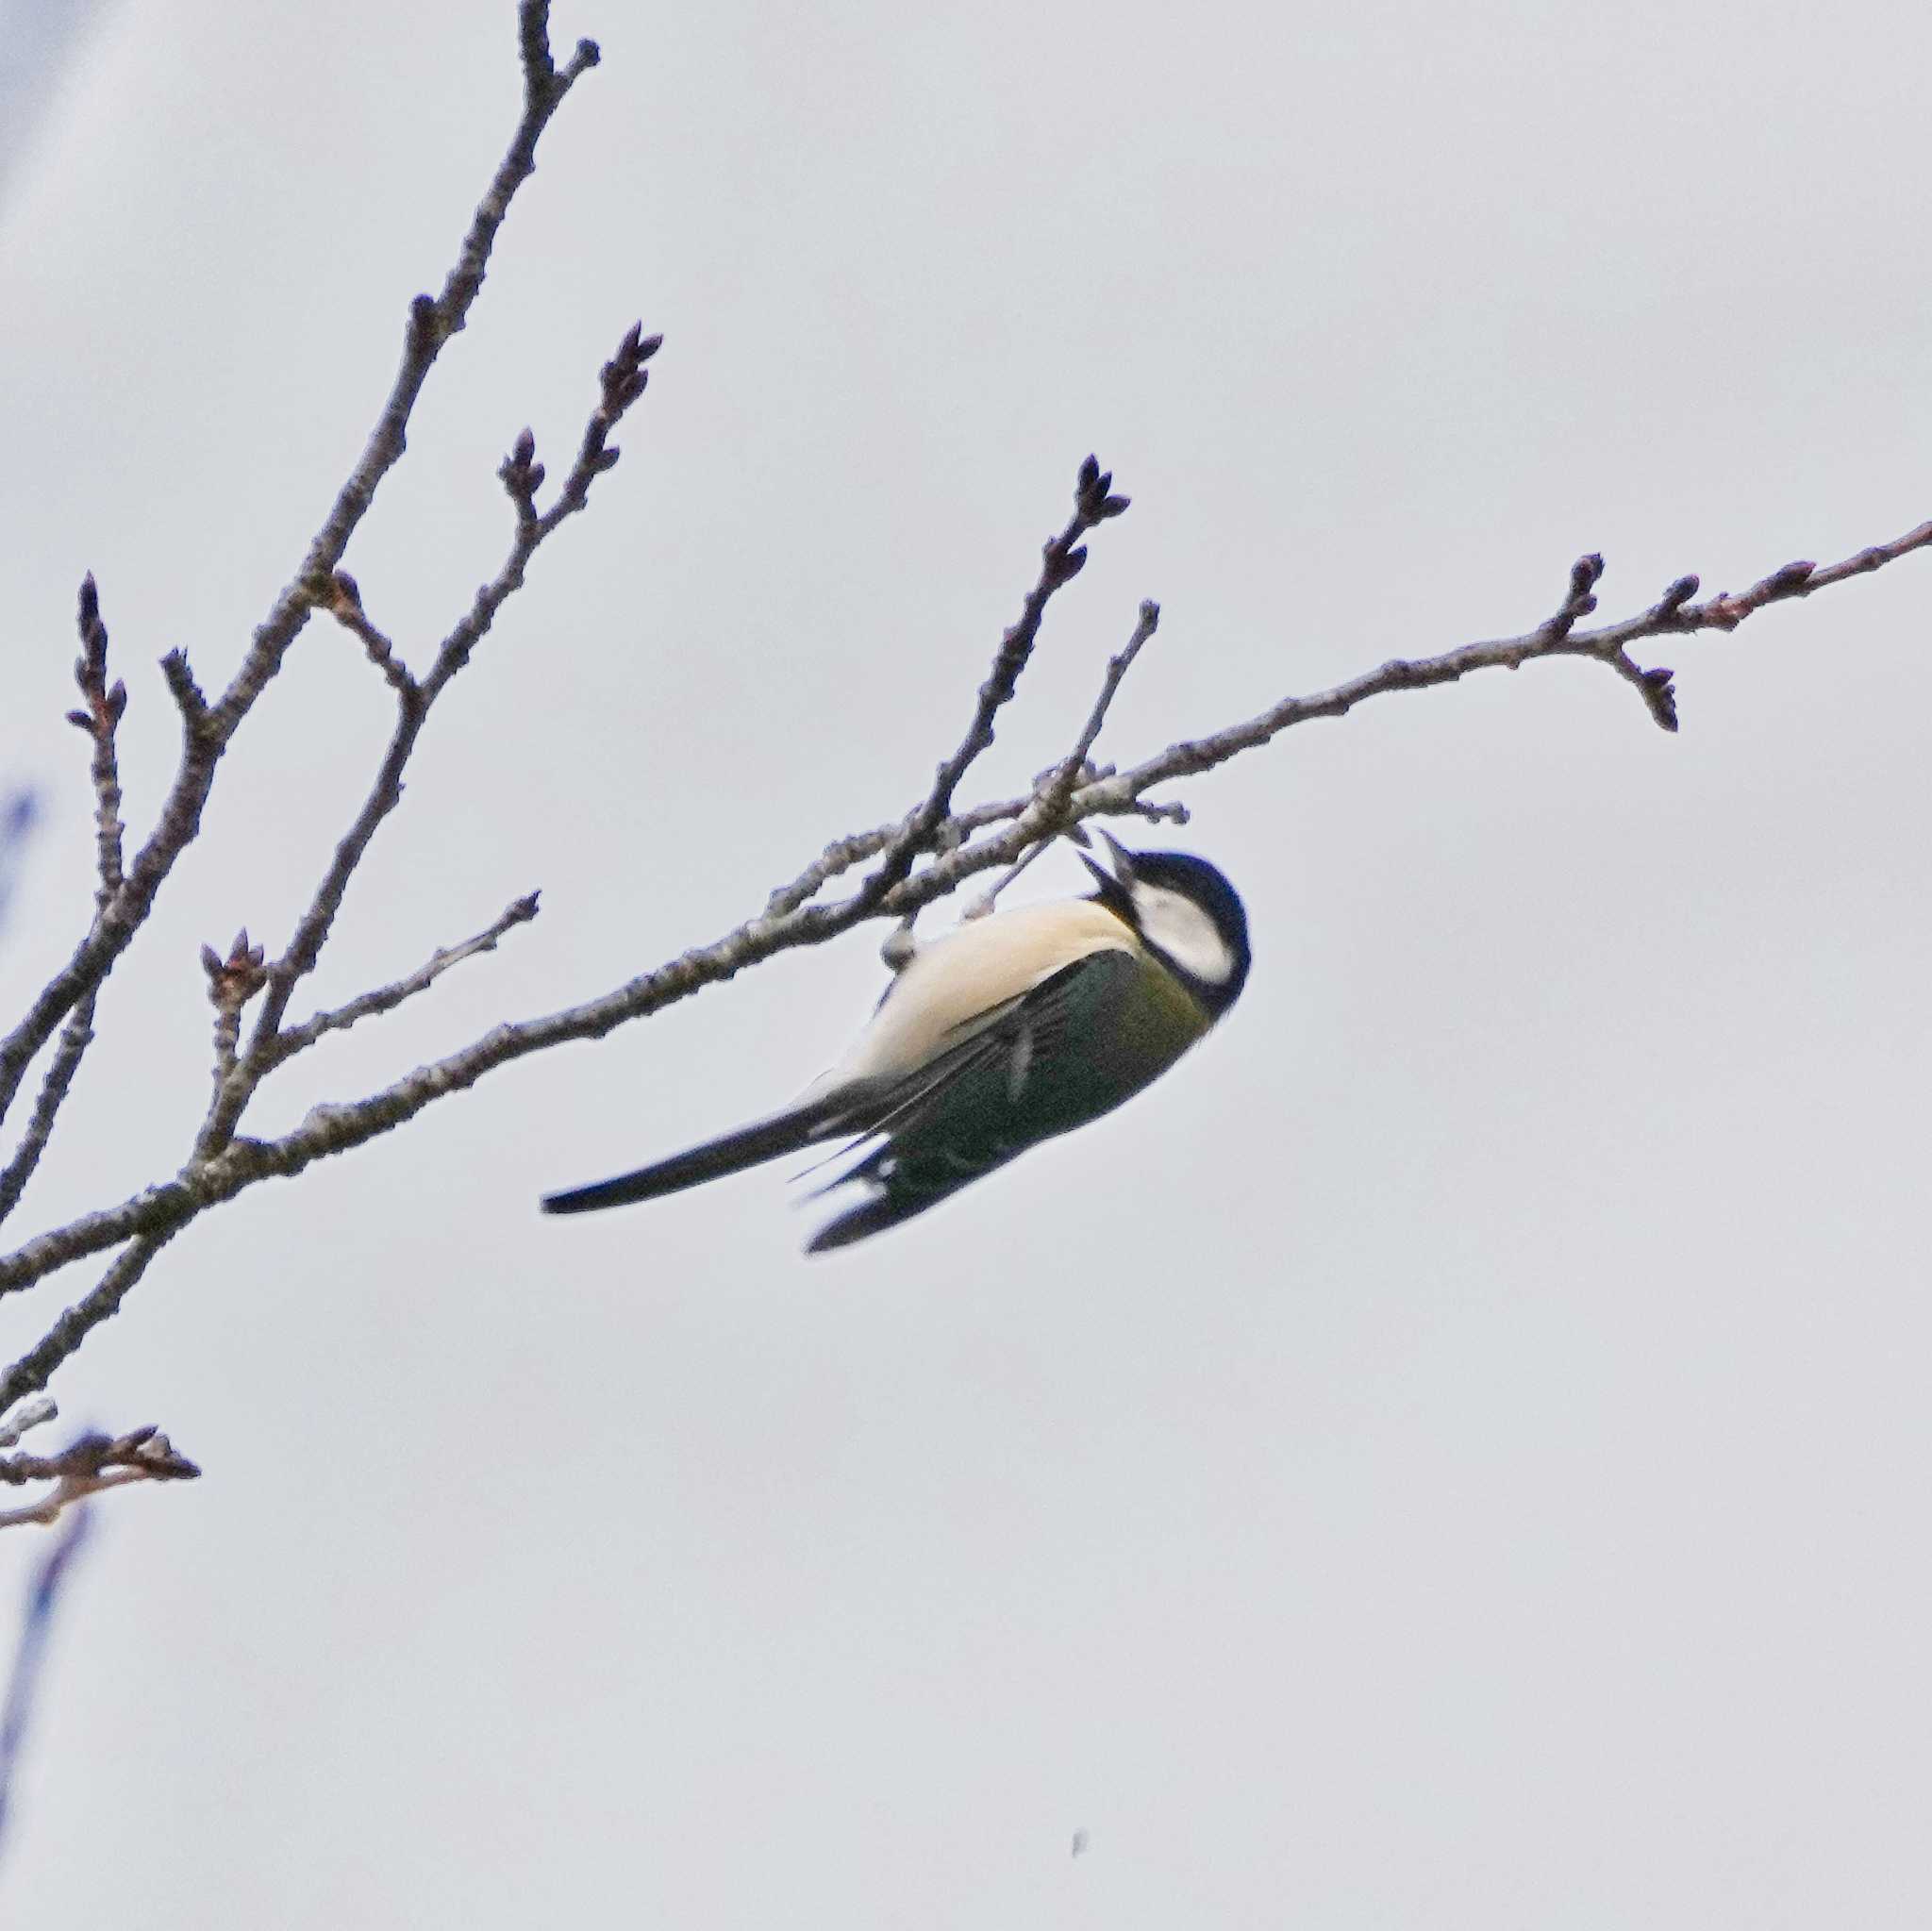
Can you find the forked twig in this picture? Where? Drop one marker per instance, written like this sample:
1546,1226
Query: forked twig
1062,559
87,1467
1046,815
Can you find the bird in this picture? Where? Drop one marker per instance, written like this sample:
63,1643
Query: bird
1014,1028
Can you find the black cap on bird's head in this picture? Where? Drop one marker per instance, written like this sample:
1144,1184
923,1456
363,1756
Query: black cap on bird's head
1185,913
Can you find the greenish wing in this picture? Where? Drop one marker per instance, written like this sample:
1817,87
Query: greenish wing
1073,1048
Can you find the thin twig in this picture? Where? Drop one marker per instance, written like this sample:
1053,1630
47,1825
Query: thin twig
65,1492
304,949
1053,798
1579,602
209,729
1673,613
25,1416
1046,815
100,717
623,381
983,904
32,1373
76,1036
1061,561
346,607
188,695
232,982
842,853
86,1467
297,1039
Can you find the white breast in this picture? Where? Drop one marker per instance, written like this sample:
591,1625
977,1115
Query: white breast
961,978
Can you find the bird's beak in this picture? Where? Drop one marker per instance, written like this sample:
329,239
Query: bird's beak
1122,858
1122,873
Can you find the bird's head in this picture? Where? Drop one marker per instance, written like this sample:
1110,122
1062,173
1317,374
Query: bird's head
1185,913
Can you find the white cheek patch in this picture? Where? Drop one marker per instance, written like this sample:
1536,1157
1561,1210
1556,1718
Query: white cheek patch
1182,930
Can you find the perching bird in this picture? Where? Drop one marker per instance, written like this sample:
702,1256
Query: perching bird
1013,1029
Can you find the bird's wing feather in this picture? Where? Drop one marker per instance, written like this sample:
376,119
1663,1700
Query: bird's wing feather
975,1089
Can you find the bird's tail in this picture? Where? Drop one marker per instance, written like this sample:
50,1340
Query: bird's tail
747,1146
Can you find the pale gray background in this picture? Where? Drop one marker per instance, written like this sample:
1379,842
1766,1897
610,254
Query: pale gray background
1458,1456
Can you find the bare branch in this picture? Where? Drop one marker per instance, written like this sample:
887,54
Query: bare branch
839,858
76,1036
1046,814
954,844
187,694
982,906
432,321
25,1416
1584,576
1053,798
1673,613
43,1597
542,84
381,999
102,707
1061,561
232,982
100,719
842,853
345,605
90,1465
32,1370
624,380
155,1215
304,949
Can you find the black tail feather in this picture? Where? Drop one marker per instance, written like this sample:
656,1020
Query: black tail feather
748,1146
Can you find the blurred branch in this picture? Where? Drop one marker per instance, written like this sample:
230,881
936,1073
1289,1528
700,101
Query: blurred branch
25,1416
18,810
916,858
87,1467
43,1598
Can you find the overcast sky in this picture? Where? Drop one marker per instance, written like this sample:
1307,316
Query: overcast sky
1456,1454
